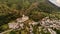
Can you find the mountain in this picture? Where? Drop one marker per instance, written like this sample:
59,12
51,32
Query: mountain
36,10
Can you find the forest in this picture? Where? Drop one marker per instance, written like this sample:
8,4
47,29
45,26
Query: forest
10,10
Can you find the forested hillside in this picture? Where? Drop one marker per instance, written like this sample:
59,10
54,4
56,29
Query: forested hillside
10,10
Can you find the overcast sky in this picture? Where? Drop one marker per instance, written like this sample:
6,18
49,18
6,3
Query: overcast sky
56,2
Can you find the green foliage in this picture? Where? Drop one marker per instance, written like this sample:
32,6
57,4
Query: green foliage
12,32
4,27
57,31
12,9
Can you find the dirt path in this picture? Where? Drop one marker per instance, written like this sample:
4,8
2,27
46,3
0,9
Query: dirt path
6,31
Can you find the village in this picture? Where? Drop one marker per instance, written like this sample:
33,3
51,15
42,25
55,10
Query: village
25,23
29,16
47,23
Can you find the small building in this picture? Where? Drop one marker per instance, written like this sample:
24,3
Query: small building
19,20
24,18
13,25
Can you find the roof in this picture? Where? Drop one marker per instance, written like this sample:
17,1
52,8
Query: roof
13,25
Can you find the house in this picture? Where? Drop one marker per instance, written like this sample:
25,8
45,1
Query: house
13,25
55,2
24,18
18,23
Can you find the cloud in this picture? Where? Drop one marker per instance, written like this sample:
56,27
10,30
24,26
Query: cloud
56,2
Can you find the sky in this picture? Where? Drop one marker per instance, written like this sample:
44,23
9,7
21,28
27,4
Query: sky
56,2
